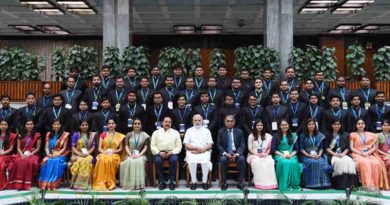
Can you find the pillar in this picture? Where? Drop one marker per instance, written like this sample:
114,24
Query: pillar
123,24
109,23
271,34
286,35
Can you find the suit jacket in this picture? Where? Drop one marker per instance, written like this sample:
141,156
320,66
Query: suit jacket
108,83
117,97
247,85
49,116
328,117
200,83
246,118
89,96
300,114
212,116
239,96
9,115
305,95
24,113
80,85
223,83
239,141
362,93
323,90
131,84
44,102
146,93
100,120
73,100
373,112
352,118
269,116
151,118
191,96
317,116
78,117
263,98
218,98
159,80
124,115
346,96
270,86
186,117
179,83
169,95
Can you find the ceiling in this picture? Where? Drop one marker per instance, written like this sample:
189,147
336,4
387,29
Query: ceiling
159,16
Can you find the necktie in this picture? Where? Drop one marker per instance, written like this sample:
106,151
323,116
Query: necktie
230,141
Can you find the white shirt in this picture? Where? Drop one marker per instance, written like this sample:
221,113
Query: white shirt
198,137
168,140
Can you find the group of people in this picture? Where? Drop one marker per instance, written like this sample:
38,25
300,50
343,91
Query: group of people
289,136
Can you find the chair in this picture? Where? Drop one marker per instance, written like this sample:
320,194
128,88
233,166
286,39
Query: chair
197,172
230,165
166,171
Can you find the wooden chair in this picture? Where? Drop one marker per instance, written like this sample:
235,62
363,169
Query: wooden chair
166,171
249,168
230,170
198,171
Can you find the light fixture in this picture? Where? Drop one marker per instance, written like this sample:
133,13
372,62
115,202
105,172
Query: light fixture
345,10
309,10
49,11
351,6
53,29
37,3
82,11
78,7
73,4
25,28
211,29
184,29
363,31
347,26
336,32
211,32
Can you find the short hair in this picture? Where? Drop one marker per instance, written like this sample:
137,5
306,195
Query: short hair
229,116
289,67
168,76
275,93
105,66
105,98
222,66
69,77
130,68
157,93
119,77
133,92
294,89
30,93
379,93
203,92
269,69
58,95
74,68
96,76
335,96
5,96
180,96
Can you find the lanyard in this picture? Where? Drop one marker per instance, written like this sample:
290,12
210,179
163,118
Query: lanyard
131,111
290,85
56,114
82,115
336,114
363,138
86,140
259,95
110,140
267,84
69,97
342,93
53,142
170,93
320,87
276,113
182,115
253,113
366,95
132,82
30,112
212,93
96,92
357,115
205,110
45,101
119,97
155,81
236,95
312,140
313,114
28,140
158,114
338,140
294,110
258,141
76,84
177,84
198,83
380,112
136,139
6,113
144,95
105,115
284,97
190,94
105,82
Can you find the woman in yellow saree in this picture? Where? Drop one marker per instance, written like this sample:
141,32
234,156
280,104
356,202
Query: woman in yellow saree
110,148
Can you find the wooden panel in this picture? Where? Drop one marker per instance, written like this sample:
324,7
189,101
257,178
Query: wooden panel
368,64
18,89
339,43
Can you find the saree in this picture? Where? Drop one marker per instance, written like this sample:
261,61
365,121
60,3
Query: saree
288,171
384,145
81,167
132,171
263,168
6,161
371,169
24,171
107,164
52,169
315,171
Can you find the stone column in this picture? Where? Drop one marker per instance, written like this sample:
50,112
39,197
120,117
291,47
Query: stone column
123,24
271,21
286,35
109,23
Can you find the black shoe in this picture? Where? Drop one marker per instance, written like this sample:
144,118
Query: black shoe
205,186
193,186
172,186
224,186
240,186
162,186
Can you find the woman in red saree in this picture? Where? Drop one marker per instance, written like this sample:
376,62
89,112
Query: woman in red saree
384,145
24,169
7,143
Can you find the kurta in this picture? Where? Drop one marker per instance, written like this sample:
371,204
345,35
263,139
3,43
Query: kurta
5,160
132,171
371,169
263,168
384,145
107,164
198,137
165,140
81,168
24,171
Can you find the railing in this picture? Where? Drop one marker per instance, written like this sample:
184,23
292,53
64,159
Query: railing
18,89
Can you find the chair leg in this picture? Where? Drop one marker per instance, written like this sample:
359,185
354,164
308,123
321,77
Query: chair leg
219,175
177,174
210,178
154,174
187,177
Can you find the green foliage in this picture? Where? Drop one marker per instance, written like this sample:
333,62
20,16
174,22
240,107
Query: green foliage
193,59
138,58
16,64
217,59
255,59
381,63
312,60
111,58
187,59
355,61
87,58
58,64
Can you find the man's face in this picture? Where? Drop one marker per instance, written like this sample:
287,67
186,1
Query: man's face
290,73
252,100
70,83
313,100
212,82
258,84
236,84
181,101
284,86
222,71
177,71
340,82
199,72
319,76
366,82
157,99
190,83
355,101
309,85
380,98
131,97
74,73
119,83
131,73
229,100
57,101
167,123
244,75
46,89
83,106
96,81
267,74
275,99
30,99
105,72
197,120
204,98
144,83
5,102
155,71
294,95
335,102
105,104
229,122
169,82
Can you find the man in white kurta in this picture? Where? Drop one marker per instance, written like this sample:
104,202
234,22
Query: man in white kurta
198,143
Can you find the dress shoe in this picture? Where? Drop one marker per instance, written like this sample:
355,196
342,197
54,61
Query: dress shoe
205,186
240,186
224,186
162,186
172,186
193,186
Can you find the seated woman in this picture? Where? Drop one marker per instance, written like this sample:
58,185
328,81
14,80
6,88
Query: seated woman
262,163
7,143
371,168
83,144
110,148
54,163
26,163
315,163
285,148
132,170
337,147
384,146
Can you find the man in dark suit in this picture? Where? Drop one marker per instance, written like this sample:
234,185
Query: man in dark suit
45,100
157,79
131,83
297,111
82,115
249,115
128,112
101,117
107,82
7,112
223,82
191,94
80,84
231,147
314,110
366,93
178,77
71,95
247,83
378,112
333,113
321,87
270,85
118,96
356,112
145,94
199,79
342,91
93,95
169,93
57,111
274,113
215,94
156,113
30,111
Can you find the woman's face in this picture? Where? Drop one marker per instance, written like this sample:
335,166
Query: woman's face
3,126
137,125
386,127
311,126
284,126
29,126
360,125
259,127
336,126
84,126
56,126
111,125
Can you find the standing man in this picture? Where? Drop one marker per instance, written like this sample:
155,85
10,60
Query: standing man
237,92
191,94
284,92
30,111
165,146
274,113
178,77
45,100
355,112
56,112
128,112
145,94
231,147
270,85
199,79
215,94
291,80
321,87
71,95
82,115
131,83
314,111
246,82
198,143
169,93
157,79
107,82
118,96
262,96
182,116
228,108
297,112
333,113
92,96
366,93
342,91
101,117
156,113
223,82
250,114
80,84
378,112
7,112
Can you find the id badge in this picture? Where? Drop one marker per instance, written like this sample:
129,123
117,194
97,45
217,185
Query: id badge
295,122
323,98
237,105
117,106
182,128
206,123
378,125
68,106
212,104
317,125
274,126
367,105
144,106
313,152
286,152
259,150
84,150
105,128
129,122
136,152
27,153
95,105
158,125
345,105
253,124
189,106
338,150
170,105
